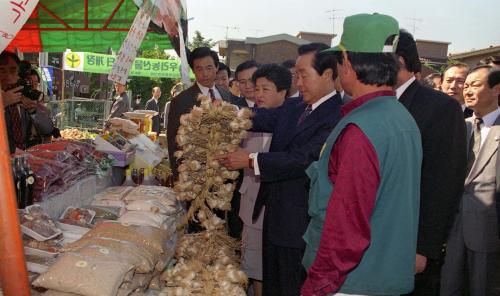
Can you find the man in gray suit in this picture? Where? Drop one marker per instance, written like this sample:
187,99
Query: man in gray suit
152,105
204,62
474,245
121,103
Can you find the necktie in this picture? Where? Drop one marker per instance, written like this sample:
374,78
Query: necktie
17,127
304,115
212,94
475,143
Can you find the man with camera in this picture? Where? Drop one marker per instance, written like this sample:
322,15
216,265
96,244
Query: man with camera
20,101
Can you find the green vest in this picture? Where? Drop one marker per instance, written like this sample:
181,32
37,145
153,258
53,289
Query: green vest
387,265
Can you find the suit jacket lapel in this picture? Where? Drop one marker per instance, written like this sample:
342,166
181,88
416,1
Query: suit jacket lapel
226,96
196,91
317,114
408,95
489,147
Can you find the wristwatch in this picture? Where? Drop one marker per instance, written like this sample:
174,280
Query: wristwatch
251,158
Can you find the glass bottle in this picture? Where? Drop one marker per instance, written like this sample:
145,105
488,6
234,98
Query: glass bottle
30,181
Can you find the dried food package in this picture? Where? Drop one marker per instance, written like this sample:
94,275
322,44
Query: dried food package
114,193
77,216
78,274
104,213
37,224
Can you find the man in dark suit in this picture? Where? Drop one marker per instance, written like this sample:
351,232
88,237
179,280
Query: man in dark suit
121,103
300,127
440,121
243,75
453,84
473,248
203,61
152,105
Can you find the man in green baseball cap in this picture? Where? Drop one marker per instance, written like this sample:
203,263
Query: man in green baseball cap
364,195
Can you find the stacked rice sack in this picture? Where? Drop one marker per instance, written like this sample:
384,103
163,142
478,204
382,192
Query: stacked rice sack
119,257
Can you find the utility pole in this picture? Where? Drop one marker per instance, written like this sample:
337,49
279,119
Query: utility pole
227,29
333,18
413,25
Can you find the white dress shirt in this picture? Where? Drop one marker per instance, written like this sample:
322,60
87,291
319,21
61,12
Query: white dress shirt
401,89
488,121
313,107
250,104
205,91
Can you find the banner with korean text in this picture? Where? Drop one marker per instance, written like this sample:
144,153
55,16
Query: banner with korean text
102,63
13,15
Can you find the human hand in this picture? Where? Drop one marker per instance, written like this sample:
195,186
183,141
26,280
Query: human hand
12,96
28,104
216,103
234,160
420,263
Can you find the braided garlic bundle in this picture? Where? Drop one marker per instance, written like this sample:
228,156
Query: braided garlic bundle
207,265
208,131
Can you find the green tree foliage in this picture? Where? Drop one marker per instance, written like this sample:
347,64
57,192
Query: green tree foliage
144,85
198,41
440,68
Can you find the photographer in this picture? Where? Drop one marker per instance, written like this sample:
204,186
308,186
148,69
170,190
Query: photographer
20,105
43,116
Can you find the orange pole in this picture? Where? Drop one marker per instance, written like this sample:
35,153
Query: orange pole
13,274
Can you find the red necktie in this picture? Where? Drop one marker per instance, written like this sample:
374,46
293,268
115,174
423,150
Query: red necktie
17,127
212,94
305,114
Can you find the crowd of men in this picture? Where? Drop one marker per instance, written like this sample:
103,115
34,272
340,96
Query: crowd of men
358,179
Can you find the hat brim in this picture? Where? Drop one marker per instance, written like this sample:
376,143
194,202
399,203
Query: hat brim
334,49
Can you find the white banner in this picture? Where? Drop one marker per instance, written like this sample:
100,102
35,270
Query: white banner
13,15
126,56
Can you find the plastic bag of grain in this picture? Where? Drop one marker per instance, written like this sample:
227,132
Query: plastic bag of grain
145,237
140,280
145,259
150,205
165,195
113,193
144,219
57,293
88,276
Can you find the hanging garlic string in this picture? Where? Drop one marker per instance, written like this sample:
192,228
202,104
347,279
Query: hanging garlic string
205,132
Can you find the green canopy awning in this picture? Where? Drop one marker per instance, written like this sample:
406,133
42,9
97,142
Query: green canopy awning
81,25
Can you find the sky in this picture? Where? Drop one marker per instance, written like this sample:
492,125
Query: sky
468,25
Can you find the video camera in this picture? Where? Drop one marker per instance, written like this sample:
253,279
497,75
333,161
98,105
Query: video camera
25,70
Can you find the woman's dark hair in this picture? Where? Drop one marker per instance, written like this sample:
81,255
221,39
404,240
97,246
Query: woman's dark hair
279,75
372,68
429,80
202,52
322,60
